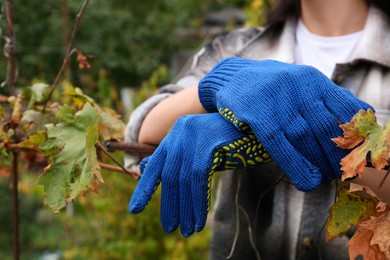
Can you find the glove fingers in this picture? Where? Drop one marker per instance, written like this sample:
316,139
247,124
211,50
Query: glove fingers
187,218
170,198
142,164
302,173
201,193
343,104
148,182
326,127
299,133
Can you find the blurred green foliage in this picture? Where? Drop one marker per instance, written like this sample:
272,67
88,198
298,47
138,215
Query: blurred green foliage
129,39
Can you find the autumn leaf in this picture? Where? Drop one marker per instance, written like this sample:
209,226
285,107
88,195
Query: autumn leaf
34,141
111,126
349,209
360,244
73,162
380,207
376,142
359,206
380,227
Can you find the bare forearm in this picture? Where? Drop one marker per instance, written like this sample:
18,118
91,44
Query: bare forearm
162,117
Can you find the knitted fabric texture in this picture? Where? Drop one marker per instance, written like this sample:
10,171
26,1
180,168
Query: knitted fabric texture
184,163
294,111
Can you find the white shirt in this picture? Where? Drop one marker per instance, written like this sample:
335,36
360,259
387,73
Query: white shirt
324,52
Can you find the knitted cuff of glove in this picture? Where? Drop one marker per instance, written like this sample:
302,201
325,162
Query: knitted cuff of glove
217,78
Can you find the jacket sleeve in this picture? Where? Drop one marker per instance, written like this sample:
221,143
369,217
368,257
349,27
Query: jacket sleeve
203,61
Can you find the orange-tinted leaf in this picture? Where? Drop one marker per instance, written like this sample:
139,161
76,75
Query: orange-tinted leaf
349,209
363,126
380,227
380,207
360,244
357,129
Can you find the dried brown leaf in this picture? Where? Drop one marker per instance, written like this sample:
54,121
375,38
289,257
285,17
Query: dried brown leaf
360,244
380,228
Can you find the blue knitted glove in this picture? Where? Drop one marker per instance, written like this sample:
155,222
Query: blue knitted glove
293,110
184,162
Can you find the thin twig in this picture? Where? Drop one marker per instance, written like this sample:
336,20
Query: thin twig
236,200
68,52
132,173
251,234
261,198
110,167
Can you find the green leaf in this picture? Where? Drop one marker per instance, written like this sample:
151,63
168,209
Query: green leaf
73,163
348,210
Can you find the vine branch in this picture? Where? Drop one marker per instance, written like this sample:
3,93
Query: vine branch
9,52
133,174
110,167
69,51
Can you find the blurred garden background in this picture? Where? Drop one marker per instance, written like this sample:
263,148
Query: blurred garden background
136,46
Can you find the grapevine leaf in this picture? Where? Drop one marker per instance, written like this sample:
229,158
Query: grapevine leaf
33,120
73,162
363,127
360,244
79,98
111,126
39,93
348,210
34,141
